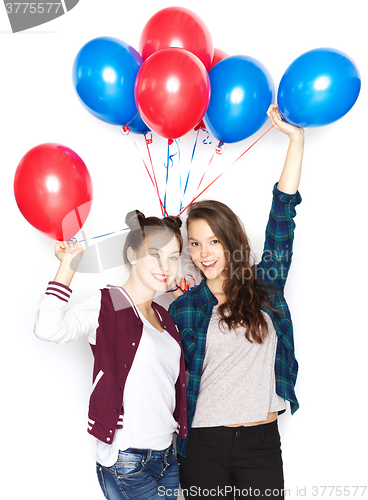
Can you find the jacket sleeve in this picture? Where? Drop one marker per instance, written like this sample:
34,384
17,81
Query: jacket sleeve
55,323
277,252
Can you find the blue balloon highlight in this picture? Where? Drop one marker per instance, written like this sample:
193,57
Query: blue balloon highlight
104,74
318,88
241,92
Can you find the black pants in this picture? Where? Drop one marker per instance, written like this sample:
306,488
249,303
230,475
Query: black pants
233,462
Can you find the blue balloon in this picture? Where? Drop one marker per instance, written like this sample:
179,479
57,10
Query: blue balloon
318,88
104,74
241,92
138,126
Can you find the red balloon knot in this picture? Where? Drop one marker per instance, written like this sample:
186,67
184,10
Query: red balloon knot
200,125
148,137
125,130
220,148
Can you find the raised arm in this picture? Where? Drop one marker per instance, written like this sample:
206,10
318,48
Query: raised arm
54,322
290,176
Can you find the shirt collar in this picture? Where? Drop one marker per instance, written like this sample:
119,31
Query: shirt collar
205,295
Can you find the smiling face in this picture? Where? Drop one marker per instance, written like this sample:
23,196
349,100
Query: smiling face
206,250
156,263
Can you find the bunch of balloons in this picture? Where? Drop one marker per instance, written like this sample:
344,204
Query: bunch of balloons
167,82
176,80
167,88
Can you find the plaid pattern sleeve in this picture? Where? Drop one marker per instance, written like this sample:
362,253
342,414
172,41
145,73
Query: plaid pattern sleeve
277,251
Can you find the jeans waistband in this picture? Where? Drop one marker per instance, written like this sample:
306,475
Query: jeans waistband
148,454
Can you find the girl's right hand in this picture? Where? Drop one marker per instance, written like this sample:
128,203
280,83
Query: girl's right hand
290,130
67,251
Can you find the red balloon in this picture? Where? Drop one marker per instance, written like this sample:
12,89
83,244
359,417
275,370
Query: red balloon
172,92
218,55
53,190
177,27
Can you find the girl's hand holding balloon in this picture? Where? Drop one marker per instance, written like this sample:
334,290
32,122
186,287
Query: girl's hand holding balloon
178,287
69,253
279,124
181,285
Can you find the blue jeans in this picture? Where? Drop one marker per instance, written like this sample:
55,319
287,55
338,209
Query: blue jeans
141,474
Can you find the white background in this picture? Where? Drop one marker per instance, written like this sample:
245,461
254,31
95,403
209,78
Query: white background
46,452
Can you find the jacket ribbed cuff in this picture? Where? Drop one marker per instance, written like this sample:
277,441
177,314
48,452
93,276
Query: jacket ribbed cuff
60,291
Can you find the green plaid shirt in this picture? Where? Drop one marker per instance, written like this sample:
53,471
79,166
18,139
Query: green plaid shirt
192,311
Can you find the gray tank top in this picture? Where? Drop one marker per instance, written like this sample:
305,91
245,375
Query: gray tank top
238,378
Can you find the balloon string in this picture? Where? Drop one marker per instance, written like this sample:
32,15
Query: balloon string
189,171
167,171
102,235
204,173
177,142
219,150
169,164
148,141
125,130
154,182
259,138
205,141
194,199
195,145
197,196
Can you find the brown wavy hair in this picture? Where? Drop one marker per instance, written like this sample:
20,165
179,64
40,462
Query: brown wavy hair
244,295
141,227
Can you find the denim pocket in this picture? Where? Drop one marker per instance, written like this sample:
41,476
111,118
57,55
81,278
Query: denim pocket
128,464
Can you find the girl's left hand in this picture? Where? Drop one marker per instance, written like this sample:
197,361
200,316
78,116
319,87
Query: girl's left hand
279,124
183,284
178,287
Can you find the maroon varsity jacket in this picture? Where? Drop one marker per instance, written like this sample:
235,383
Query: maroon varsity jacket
118,336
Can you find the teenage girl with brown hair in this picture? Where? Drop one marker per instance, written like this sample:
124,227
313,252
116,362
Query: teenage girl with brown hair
237,337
